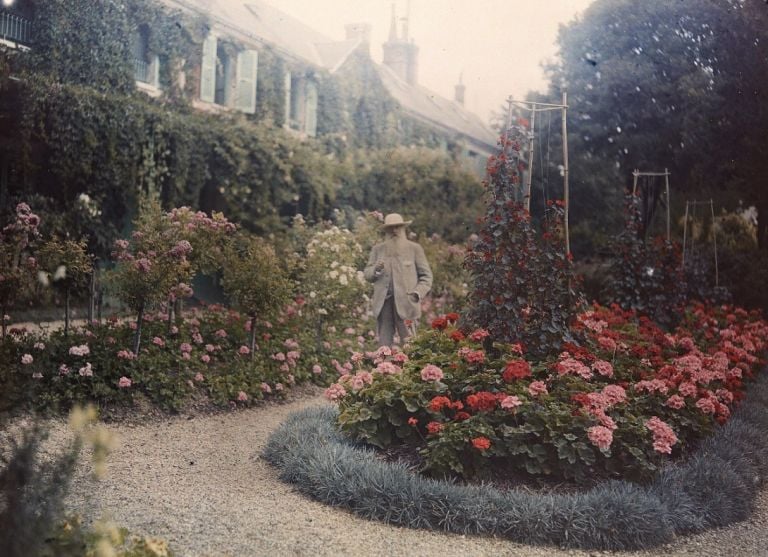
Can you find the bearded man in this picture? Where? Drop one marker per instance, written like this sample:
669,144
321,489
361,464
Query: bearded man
401,278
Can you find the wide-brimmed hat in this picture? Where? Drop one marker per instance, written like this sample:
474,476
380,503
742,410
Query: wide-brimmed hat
395,219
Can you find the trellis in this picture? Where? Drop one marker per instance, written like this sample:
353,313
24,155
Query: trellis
690,207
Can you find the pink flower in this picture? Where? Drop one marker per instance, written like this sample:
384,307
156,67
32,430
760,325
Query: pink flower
676,402
205,358
197,338
571,366
63,369
335,392
27,359
479,335
400,358
537,388
600,436
143,265
39,346
607,343
185,347
603,368
688,389
280,357
124,383
663,435
652,386
86,371
265,388
706,405
241,396
431,373
221,333
510,402
388,368
244,350
279,386
126,355
81,350
316,369
614,394
199,377
158,342
349,331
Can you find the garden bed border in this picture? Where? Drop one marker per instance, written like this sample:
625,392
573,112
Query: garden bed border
715,486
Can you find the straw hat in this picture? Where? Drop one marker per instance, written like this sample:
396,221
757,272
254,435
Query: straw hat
395,219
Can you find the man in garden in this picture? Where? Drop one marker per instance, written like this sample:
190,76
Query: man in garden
401,278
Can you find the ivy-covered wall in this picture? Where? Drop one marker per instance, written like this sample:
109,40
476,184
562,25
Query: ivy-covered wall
82,142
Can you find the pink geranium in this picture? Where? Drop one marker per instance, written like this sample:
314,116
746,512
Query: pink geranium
537,388
431,373
510,402
601,367
675,401
663,435
600,436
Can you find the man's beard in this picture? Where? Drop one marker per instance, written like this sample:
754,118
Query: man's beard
394,245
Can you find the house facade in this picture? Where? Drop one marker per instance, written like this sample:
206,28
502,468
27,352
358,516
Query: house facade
251,56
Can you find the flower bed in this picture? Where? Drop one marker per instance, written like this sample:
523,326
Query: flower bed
716,486
204,355
621,403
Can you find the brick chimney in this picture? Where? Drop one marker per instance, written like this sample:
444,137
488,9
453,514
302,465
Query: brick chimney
400,52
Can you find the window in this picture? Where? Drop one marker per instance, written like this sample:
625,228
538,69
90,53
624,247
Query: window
208,69
301,104
223,89
16,24
146,67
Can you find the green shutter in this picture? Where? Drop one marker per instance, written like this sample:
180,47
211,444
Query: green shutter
247,69
208,70
310,113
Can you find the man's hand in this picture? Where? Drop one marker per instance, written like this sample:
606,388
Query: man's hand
379,268
414,297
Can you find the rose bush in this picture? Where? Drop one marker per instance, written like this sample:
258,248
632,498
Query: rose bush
621,403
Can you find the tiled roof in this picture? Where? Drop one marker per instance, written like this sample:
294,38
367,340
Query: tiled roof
439,111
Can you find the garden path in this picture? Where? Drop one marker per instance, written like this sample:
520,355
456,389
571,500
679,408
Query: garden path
198,482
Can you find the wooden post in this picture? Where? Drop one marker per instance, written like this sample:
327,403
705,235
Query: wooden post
685,230
635,174
529,177
565,174
669,202
714,238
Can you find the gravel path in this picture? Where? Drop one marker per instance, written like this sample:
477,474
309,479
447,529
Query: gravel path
198,482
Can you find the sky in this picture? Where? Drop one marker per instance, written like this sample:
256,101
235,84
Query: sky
498,45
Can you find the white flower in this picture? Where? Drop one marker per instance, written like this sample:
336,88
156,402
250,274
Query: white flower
333,274
61,273
42,278
313,295
334,264
343,280
322,311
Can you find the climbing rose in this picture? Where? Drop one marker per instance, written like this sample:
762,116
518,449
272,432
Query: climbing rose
124,383
27,359
241,396
244,350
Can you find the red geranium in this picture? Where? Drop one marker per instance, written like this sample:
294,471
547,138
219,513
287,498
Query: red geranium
439,402
482,401
461,416
518,369
439,323
457,336
434,428
452,317
481,443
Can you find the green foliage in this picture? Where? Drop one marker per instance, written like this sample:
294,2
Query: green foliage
418,183
524,284
646,276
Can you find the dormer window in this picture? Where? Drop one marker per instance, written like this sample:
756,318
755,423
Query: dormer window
146,66
16,24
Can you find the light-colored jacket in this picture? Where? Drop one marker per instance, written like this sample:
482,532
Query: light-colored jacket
409,271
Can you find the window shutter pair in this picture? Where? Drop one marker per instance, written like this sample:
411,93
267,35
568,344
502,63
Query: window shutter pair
247,69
